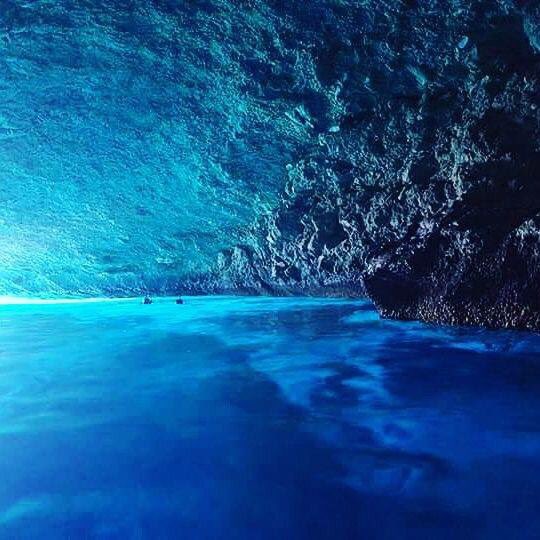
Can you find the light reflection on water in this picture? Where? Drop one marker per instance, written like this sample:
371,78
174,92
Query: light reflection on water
263,418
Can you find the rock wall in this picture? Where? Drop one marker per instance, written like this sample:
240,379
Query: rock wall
422,183
351,147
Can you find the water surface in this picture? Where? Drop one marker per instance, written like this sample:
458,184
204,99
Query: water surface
238,418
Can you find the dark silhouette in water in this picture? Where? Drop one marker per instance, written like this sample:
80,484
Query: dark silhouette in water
179,301
147,300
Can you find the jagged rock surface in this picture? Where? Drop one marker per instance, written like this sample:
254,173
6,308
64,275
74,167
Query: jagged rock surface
423,181
387,147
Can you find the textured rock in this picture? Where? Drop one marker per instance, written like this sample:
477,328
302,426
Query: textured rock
424,185
134,147
387,147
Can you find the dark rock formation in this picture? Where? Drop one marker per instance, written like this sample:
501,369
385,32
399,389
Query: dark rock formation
422,183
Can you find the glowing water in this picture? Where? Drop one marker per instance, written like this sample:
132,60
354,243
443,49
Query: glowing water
263,418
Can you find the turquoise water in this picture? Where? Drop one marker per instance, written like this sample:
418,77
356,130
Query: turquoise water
247,418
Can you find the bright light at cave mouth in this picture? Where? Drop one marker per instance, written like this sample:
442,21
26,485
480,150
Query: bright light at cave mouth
19,301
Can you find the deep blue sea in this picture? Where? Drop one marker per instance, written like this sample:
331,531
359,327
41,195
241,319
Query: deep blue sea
259,418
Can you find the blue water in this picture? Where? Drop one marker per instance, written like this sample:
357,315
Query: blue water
234,418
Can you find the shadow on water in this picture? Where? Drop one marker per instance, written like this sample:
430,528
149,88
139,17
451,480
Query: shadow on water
274,420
